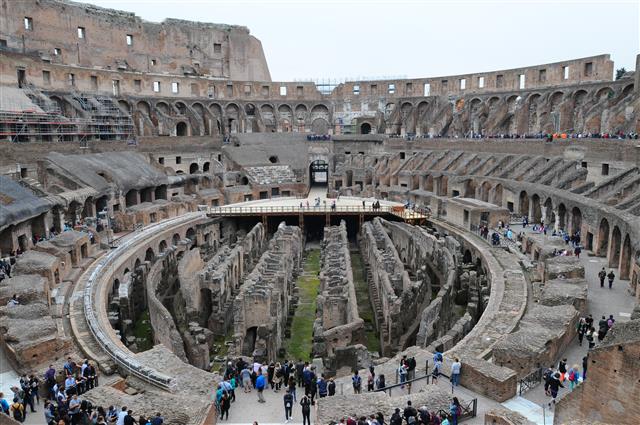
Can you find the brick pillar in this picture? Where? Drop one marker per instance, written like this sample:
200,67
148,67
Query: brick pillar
636,86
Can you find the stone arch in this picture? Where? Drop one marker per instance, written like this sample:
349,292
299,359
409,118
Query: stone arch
603,94
627,90
470,189
250,109
625,258
562,216
555,99
115,288
485,190
206,167
320,110
300,117
428,183
320,126
191,235
215,109
144,108
576,220
162,246
268,117
232,115
124,106
549,215
493,101
536,209
365,128
467,258
497,194
87,209
180,107
163,108
523,203
203,113
285,118
131,198
602,247
175,240
149,255
616,247
136,265
182,129
193,168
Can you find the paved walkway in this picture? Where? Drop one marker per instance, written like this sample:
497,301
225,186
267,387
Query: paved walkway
600,301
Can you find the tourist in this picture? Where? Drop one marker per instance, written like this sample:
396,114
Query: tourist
602,275
306,410
444,420
49,416
322,386
277,377
611,276
584,368
13,301
573,376
300,373
455,410
582,329
402,373
288,405
381,384
4,404
396,419
436,371
410,413
331,387
610,321
552,387
271,369
356,382
292,387
603,327
18,410
225,405
50,380
129,419
371,377
261,383
591,338
158,420
456,367
562,368
245,376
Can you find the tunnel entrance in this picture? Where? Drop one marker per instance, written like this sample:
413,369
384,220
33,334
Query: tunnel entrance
318,173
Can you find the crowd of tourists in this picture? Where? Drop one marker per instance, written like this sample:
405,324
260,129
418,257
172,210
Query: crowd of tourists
620,135
62,404
318,137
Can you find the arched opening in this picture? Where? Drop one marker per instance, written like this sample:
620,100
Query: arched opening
320,126
469,189
206,166
149,255
497,195
249,343
244,181
537,209
625,258
136,265
365,128
131,198
191,235
161,192
175,240
467,258
101,203
576,220
523,205
162,246
181,129
115,288
616,246
549,215
87,210
485,189
603,238
562,216
193,168
318,173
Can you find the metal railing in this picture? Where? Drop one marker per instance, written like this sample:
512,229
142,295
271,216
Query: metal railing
530,381
318,209
469,410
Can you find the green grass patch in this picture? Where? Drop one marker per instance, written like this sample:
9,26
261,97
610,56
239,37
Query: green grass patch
365,311
143,332
300,344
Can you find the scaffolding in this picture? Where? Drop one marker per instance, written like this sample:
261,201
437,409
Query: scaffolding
103,120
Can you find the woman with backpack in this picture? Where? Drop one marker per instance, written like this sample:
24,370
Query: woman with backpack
573,376
455,410
17,410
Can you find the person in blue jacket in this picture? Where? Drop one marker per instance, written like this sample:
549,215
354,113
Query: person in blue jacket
261,382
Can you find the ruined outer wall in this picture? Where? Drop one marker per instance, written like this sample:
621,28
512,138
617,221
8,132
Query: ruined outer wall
176,46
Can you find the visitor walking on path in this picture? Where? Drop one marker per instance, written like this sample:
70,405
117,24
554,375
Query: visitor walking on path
611,276
261,383
456,367
602,274
306,410
288,405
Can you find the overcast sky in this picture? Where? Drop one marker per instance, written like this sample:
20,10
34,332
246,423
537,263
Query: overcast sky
310,39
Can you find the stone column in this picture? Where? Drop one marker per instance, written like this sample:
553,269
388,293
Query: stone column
556,225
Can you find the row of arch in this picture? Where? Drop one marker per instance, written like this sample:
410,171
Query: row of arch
605,239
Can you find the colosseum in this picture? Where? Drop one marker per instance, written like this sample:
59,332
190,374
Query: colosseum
171,219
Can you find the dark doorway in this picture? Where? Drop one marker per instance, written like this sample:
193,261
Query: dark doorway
22,78
365,128
181,129
318,173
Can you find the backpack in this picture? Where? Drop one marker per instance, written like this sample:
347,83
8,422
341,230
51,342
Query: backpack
439,356
17,412
572,376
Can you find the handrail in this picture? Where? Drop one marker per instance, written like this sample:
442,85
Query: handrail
100,334
530,381
323,209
